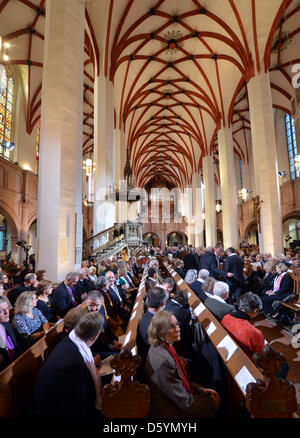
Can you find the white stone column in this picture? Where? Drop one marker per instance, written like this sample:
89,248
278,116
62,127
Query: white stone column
228,188
121,207
265,163
60,165
210,201
197,210
104,210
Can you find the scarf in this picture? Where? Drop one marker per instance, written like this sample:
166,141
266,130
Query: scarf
277,282
87,356
181,369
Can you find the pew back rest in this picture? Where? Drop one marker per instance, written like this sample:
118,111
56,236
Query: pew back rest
17,381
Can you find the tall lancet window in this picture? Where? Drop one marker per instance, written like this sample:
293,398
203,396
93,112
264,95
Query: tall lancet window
292,147
6,108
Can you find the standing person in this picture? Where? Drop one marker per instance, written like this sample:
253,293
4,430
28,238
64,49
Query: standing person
68,385
235,265
63,296
172,395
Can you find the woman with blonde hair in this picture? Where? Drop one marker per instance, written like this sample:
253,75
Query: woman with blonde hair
268,278
283,285
28,322
172,395
208,286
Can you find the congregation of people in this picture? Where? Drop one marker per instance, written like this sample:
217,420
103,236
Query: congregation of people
182,368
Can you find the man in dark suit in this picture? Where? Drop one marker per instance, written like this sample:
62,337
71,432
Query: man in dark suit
205,259
157,299
9,350
179,307
118,297
66,387
179,268
196,286
217,303
191,261
29,285
235,265
64,295
152,278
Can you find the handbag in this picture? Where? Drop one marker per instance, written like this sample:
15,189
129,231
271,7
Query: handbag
199,336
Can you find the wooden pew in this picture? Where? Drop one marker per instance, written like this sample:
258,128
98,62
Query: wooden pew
125,397
18,379
242,370
295,307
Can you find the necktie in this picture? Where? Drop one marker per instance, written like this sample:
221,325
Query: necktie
116,291
72,296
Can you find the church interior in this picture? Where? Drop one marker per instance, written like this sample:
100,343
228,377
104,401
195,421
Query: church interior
150,130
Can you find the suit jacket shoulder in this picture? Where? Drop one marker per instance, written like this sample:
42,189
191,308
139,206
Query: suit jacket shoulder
218,308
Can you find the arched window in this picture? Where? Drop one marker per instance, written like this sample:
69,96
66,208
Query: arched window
292,146
6,108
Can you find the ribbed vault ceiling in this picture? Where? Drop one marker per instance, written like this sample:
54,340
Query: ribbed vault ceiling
179,70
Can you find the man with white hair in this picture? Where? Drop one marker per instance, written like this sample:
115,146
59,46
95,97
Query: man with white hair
217,303
196,286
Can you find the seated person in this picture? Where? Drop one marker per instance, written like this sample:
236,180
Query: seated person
5,281
252,282
268,279
64,294
81,288
156,300
217,303
30,284
152,278
3,294
190,276
93,273
196,286
115,322
28,322
45,301
168,286
68,385
179,306
249,338
178,267
9,349
283,285
172,395
41,275
106,344
237,323
208,287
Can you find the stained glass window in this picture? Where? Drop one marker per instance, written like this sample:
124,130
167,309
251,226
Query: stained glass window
3,235
6,106
292,146
242,174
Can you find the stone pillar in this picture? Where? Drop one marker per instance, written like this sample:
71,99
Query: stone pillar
60,165
265,163
210,201
228,188
197,210
104,210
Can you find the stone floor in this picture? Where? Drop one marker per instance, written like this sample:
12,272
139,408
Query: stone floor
287,341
